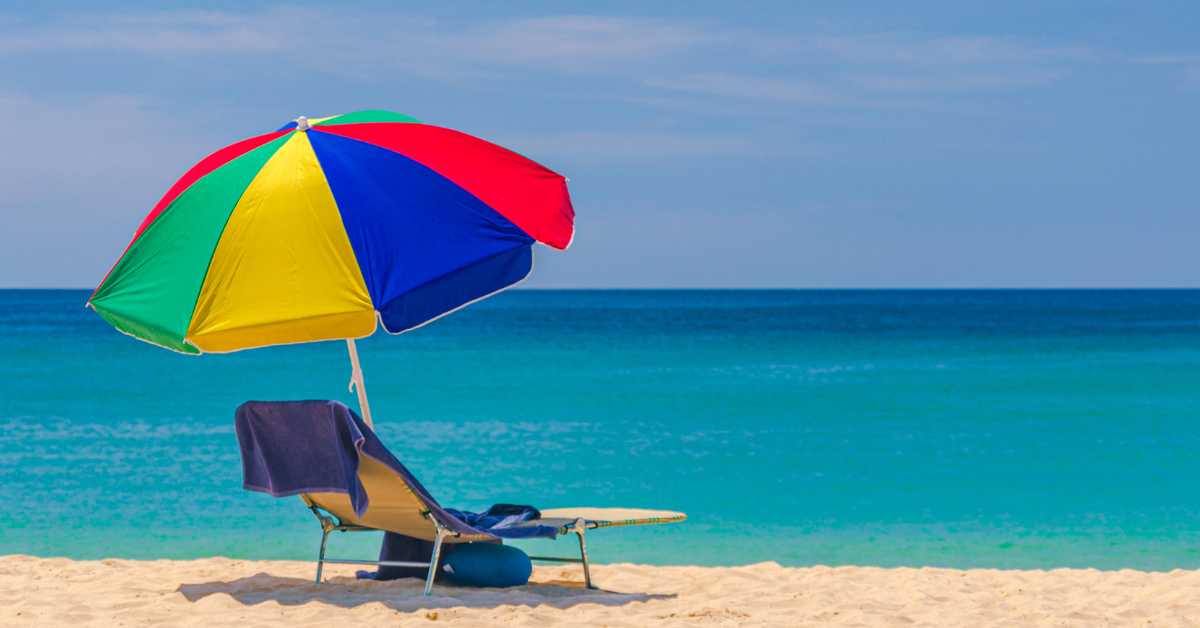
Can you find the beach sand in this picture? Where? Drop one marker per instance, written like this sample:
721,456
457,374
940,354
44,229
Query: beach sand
224,592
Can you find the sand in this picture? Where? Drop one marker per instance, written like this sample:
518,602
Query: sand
224,592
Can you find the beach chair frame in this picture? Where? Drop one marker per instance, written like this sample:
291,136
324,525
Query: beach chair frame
400,504
330,523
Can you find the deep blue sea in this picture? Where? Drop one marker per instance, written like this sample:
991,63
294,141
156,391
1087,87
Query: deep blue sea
953,428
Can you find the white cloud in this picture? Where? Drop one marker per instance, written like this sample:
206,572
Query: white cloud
607,145
1186,65
856,70
187,32
666,55
744,86
558,41
900,49
672,65
958,81
567,40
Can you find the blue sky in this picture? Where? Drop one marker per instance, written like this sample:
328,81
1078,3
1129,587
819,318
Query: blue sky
946,144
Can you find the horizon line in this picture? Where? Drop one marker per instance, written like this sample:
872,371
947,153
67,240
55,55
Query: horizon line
754,288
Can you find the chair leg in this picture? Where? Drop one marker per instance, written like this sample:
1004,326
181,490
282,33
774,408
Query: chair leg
580,528
433,561
321,554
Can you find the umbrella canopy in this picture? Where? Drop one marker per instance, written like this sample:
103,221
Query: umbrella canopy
316,230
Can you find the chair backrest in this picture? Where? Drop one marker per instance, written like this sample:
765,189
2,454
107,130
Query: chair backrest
323,451
393,505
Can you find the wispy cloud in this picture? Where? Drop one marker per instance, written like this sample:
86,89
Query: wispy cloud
665,55
1170,59
568,40
958,81
634,144
731,85
1186,65
916,50
509,40
856,70
176,32
550,41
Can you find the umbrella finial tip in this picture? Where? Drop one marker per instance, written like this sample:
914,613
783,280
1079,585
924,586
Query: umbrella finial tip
302,123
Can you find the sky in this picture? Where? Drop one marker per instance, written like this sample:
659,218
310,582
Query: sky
708,144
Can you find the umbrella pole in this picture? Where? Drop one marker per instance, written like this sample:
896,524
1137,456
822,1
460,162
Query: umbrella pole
356,382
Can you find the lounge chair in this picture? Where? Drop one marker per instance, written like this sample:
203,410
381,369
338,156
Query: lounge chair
323,452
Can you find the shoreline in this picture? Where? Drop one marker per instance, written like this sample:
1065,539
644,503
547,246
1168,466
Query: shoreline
227,592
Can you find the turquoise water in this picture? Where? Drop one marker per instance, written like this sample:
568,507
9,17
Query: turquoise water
954,428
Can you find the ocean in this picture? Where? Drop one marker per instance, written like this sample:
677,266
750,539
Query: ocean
1010,428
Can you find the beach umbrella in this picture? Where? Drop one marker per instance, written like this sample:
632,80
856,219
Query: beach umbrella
327,228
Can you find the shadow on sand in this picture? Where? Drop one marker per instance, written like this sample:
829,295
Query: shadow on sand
405,594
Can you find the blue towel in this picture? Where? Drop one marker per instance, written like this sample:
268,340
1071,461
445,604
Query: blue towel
293,447
500,520
297,447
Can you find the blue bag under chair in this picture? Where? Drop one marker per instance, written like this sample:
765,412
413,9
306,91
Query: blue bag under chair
487,565
499,519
